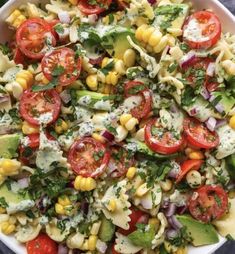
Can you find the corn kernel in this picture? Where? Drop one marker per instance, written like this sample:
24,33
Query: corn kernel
64,200
61,126
155,38
112,205
169,247
181,250
7,228
90,184
142,190
9,167
232,122
131,173
130,125
77,182
154,222
84,184
188,150
2,210
85,246
98,137
166,185
27,128
229,67
129,58
59,209
147,33
125,118
73,2
92,82
161,45
105,62
119,67
139,32
196,155
92,240
95,228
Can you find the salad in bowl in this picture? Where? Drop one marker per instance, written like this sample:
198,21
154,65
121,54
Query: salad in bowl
117,127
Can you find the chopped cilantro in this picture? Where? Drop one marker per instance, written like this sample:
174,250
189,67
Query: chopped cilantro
188,96
50,85
106,69
172,67
58,70
3,202
59,28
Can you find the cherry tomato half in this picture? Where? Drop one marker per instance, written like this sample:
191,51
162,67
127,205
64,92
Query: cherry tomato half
88,157
208,203
208,30
133,88
34,37
136,216
42,244
198,135
88,9
61,63
33,105
187,166
120,161
161,140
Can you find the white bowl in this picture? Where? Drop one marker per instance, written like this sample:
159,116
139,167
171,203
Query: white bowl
228,21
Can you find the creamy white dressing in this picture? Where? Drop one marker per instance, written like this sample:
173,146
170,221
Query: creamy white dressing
45,118
24,205
132,102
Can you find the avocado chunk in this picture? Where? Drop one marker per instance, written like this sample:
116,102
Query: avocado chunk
171,16
141,147
201,234
10,196
8,145
115,41
107,230
230,165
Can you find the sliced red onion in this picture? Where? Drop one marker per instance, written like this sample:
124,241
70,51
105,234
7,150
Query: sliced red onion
92,18
101,246
147,202
65,96
175,223
62,249
143,219
193,112
4,98
170,210
204,93
211,98
181,209
174,108
64,17
107,135
152,2
172,234
210,69
23,183
174,172
220,123
187,59
219,107
98,60
211,123
165,203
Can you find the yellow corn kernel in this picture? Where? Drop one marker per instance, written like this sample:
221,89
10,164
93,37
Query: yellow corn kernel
19,21
154,222
142,190
196,155
129,58
119,67
161,45
59,209
95,228
112,78
229,67
112,205
16,18
61,126
45,81
92,240
77,182
139,32
166,185
107,89
231,194
9,167
7,228
2,210
92,82
130,125
155,38
73,2
24,78
27,128
105,62
16,13
232,122
181,250
64,200
170,248
98,137
131,173
147,34
84,184
85,245
125,118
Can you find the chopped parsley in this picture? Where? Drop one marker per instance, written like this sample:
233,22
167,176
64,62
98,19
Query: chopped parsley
106,69
3,202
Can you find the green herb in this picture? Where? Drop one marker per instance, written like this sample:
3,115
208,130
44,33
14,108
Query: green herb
218,200
30,214
111,18
184,47
229,237
163,250
5,49
59,28
3,202
27,152
34,65
49,86
61,225
136,89
188,96
172,67
14,113
58,70
107,68
98,155
111,129
182,239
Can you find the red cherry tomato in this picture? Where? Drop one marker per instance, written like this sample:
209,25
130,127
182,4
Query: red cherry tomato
52,25
32,105
120,161
161,140
88,9
138,88
208,203
88,157
19,57
208,26
137,217
42,244
34,37
187,166
198,135
65,61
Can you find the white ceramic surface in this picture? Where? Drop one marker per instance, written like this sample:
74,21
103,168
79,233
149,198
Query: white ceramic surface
228,21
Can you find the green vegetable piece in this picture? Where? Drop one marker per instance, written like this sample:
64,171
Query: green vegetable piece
8,145
201,233
107,230
230,165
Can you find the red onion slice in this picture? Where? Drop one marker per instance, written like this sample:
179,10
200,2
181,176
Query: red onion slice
65,96
187,59
210,69
193,112
4,98
172,234
107,135
219,107
220,123
62,249
204,93
152,2
174,222
64,17
211,123
170,210
23,183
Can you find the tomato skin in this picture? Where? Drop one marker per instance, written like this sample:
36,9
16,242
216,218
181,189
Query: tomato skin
209,203
30,100
136,216
89,9
161,146
143,110
198,135
42,244
31,35
52,24
64,57
19,57
81,157
211,29
187,166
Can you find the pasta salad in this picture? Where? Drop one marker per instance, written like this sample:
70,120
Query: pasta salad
117,127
